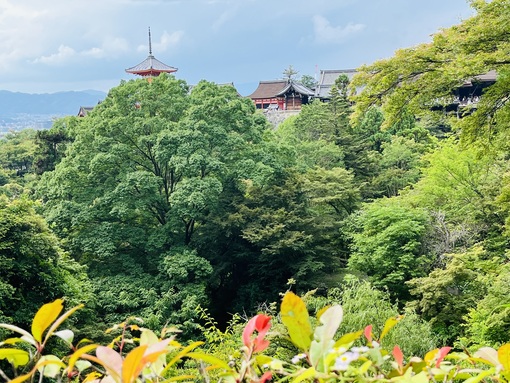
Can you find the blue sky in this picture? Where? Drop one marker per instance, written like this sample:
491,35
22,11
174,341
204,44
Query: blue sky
56,45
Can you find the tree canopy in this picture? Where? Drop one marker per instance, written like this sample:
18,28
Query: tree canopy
423,77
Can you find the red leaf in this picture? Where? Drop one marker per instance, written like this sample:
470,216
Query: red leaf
267,375
260,323
368,333
441,354
399,357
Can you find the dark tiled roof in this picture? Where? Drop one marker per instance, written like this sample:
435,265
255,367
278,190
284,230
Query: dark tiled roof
268,89
298,88
327,79
274,88
490,76
84,110
150,67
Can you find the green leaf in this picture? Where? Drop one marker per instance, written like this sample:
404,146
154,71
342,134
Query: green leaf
295,317
364,367
184,352
263,359
45,317
390,323
66,335
420,378
50,366
26,336
348,338
323,336
307,374
148,337
11,341
212,360
180,377
82,365
15,356
480,377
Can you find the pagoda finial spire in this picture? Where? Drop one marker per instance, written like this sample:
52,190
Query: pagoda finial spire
150,42
150,67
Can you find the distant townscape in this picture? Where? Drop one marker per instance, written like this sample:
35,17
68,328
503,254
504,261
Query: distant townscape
38,111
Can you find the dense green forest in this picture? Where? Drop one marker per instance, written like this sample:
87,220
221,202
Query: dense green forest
174,205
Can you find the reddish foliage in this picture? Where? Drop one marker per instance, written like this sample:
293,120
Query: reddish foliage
261,324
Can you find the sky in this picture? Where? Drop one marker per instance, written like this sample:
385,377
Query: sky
48,46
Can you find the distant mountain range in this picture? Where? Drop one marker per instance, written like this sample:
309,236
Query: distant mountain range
25,110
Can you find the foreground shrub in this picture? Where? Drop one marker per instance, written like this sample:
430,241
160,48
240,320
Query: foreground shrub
354,357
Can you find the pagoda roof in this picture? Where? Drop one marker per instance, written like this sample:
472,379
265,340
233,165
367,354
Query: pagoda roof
275,88
151,66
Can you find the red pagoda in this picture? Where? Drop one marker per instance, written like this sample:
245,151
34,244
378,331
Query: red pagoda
151,67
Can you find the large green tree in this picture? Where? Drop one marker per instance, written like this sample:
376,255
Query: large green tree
146,171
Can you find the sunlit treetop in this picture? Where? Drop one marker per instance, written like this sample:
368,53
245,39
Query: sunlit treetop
423,77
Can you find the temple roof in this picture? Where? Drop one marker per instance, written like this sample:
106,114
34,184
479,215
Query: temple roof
488,77
327,79
268,89
151,66
274,88
297,88
84,110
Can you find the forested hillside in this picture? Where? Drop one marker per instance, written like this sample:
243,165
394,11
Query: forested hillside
165,204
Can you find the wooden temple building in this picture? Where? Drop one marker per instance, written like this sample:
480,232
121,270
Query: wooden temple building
464,99
327,79
281,95
151,67
469,93
84,110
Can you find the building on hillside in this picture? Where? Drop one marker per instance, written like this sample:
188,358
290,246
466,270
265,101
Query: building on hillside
327,79
464,99
84,110
151,67
469,93
281,95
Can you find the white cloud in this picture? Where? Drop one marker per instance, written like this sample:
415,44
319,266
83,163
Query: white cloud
166,41
20,33
325,33
63,55
111,47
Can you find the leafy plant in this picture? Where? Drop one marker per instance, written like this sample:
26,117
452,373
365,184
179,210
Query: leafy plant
322,357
